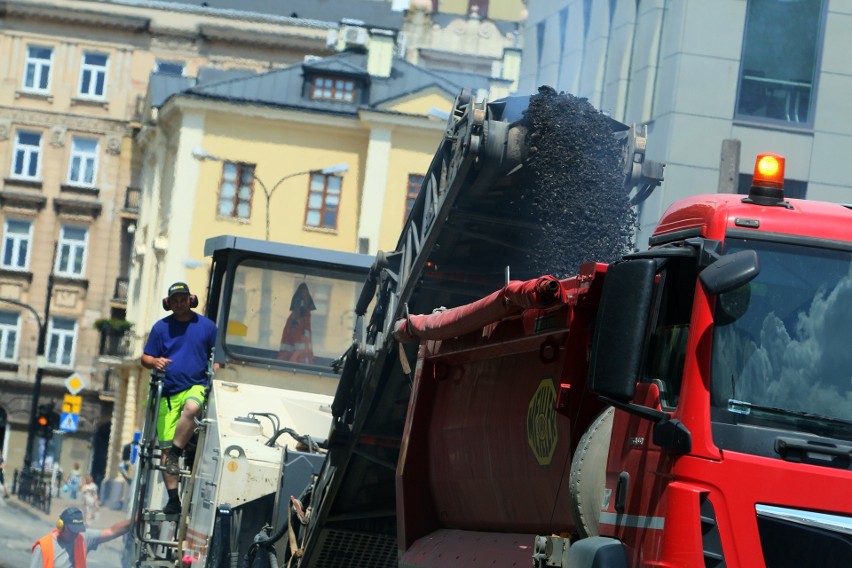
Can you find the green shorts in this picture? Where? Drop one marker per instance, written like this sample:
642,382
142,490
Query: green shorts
170,409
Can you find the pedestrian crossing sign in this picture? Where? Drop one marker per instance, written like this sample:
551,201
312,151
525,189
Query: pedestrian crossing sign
68,423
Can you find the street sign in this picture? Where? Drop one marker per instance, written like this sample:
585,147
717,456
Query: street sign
69,422
75,383
71,404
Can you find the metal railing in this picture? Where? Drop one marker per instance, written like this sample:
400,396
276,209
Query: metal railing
115,342
131,199
33,486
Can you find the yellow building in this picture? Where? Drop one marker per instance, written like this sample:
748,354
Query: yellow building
329,153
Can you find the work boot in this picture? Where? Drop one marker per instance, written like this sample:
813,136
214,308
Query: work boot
172,507
172,463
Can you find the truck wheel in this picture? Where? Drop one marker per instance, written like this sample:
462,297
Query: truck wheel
588,474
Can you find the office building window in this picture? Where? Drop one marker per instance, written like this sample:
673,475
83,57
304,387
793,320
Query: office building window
26,155
333,88
37,68
779,60
411,191
17,238
61,340
9,333
323,201
84,161
71,251
236,190
93,72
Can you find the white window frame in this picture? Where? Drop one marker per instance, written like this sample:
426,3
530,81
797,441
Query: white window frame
40,67
86,160
29,152
7,330
95,71
65,263
57,340
15,240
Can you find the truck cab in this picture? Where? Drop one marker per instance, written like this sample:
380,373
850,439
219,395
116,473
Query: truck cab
732,433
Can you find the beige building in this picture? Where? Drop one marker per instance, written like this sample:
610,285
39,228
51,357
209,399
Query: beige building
74,76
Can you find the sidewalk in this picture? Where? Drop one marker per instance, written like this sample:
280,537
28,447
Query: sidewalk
106,517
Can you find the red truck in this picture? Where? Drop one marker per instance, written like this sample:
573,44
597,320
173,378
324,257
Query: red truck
685,405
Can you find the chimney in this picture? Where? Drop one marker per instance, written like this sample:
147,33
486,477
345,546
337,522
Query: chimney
380,52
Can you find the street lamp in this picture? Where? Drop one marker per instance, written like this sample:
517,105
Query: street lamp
202,155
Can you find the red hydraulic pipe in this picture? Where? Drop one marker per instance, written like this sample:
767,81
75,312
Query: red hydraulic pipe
515,297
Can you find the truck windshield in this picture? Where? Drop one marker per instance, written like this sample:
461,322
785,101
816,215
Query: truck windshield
782,344
287,315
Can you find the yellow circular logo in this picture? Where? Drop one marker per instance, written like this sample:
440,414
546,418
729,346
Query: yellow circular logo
541,422
232,466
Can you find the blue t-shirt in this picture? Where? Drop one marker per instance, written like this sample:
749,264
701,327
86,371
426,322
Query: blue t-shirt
188,344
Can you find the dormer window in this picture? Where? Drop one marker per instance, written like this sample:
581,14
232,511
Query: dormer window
333,89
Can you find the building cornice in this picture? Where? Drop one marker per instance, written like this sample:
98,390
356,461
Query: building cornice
189,103
12,9
271,39
371,117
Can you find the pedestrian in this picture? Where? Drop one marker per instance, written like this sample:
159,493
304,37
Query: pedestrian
74,481
91,502
3,475
70,542
179,346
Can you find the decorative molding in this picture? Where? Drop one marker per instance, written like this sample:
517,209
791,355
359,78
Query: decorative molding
57,136
77,207
76,284
21,199
69,121
11,282
113,145
79,189
5,128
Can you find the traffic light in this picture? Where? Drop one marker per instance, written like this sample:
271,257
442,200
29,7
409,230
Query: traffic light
46,421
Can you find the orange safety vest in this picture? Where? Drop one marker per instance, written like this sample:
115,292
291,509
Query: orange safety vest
46,544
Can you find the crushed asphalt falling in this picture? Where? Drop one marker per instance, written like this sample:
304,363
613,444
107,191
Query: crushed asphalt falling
574,180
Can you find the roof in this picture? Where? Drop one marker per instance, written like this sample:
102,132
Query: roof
372,12
284,87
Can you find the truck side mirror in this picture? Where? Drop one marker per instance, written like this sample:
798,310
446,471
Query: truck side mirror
620,328
730,272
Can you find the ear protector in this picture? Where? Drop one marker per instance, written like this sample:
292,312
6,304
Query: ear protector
59,524
193,302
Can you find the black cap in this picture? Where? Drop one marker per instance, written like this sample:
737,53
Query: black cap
72,519
178,288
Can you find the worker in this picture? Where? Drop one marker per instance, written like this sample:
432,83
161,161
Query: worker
68,544
179,346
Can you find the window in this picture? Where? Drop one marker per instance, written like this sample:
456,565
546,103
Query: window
84,161
777,72
27,151
61,337
236,190
71,251
9,333
169,67
333,88
93,75
323,201
37,72
411,191
17,236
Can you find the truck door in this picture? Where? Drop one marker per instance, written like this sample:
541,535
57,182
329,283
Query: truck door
638,469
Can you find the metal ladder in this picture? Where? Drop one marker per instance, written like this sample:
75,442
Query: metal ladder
157,538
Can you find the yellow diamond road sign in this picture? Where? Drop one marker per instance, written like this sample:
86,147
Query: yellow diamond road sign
75,383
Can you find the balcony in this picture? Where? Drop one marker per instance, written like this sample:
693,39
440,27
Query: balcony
116,341
131,200
119,295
